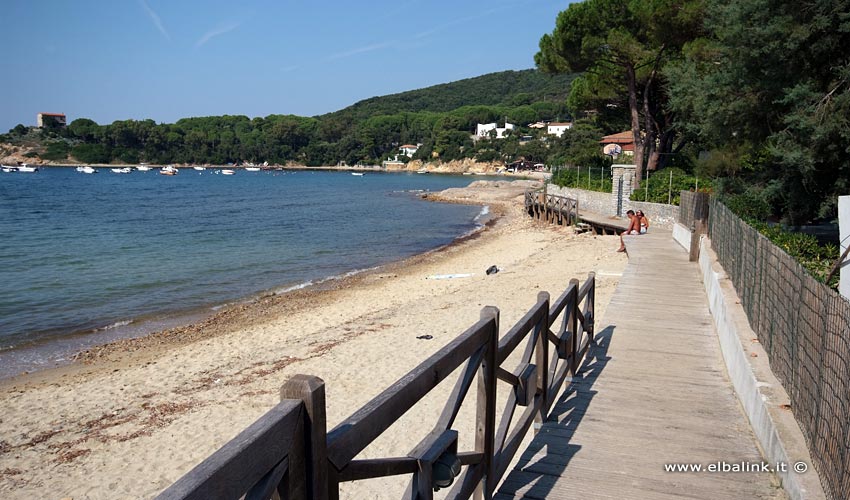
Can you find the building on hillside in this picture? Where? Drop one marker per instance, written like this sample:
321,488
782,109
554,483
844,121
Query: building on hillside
537,125
558,128
483,130
409,150
616,144
43,119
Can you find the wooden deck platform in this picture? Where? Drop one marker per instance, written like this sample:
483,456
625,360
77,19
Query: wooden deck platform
653,391
604,224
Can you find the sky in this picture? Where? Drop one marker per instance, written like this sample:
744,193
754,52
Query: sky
111,60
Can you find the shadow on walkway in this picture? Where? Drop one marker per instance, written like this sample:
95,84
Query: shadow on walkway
542,463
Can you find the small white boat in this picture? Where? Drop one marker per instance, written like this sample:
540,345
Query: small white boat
359,174
168,170
199,167
227,171
422,171
143,168
252,169
86,169
7,168
125,170
26,168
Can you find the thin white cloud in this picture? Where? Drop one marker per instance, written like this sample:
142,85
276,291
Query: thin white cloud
359,50
216,32
454,22
156,20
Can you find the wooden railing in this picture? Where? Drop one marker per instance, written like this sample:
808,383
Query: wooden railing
551,208
289,453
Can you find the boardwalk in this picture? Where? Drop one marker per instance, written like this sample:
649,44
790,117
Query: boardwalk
654,391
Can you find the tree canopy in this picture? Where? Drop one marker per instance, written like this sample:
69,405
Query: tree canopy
622,47
766,91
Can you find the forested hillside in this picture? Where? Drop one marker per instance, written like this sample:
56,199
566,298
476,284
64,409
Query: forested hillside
441,118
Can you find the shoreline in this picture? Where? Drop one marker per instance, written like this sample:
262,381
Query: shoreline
431,169
85,346
137,418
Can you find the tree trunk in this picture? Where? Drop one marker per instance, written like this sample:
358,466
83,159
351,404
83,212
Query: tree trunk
633,108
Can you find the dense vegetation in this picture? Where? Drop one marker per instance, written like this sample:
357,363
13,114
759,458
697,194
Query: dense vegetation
753,93
441,118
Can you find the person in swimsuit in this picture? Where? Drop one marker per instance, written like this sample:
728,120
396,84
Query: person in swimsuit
642,221
634,228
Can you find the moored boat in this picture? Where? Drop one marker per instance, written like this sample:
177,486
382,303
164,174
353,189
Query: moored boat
26,168
168,170
125,170
227,171
199,167
143,168
86,169
252,169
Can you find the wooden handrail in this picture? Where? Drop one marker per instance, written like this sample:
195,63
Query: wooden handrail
288,450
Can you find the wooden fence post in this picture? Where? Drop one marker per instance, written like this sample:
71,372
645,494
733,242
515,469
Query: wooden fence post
310,390
541,330
485,425
698,230
575,343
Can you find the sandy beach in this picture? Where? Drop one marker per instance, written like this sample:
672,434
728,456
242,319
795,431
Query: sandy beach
128,419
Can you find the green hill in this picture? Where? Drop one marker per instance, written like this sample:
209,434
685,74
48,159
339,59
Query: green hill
505,88
441,118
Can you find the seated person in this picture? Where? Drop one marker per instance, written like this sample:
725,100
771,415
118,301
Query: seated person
634,228
642,221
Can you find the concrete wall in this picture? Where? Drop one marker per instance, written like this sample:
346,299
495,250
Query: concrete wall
603,203
593,201
682,236
760,393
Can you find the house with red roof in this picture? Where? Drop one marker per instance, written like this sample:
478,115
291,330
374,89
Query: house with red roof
616,144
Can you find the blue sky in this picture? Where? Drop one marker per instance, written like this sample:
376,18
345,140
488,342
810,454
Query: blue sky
169,59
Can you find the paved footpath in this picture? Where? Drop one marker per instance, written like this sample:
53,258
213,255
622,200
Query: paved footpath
654,391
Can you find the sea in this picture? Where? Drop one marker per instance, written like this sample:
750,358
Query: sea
90,258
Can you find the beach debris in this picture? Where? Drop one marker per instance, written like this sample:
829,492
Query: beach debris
448,276
492,270
425,337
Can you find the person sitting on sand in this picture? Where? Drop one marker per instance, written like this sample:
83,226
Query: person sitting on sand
642,221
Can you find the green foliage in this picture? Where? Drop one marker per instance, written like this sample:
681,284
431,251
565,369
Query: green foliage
91,153
441,118
664,186
804,248
592,179
19,130
56,151
749,205
769,85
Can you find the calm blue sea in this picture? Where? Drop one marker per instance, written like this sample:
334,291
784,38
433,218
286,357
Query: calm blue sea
88,258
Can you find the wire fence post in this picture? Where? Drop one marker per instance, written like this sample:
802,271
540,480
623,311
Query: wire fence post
670,190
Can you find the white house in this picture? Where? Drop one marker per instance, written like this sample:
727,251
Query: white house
558,129
483,130
408,150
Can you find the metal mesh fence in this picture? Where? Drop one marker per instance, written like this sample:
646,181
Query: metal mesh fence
805,328
692,206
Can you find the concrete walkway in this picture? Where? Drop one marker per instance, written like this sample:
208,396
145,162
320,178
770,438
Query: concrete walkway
654,391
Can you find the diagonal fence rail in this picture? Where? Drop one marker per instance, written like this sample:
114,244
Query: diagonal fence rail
288,453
